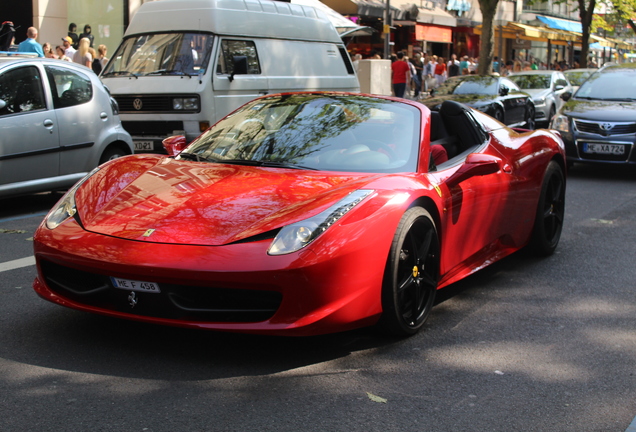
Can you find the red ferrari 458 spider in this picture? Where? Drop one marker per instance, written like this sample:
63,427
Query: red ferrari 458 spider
304,213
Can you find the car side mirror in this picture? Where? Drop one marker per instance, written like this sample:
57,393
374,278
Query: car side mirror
239,66
503,91
566,96
559,87
174,144
476,164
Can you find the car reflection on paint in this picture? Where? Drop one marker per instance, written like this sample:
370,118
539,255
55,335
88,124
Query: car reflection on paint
493,95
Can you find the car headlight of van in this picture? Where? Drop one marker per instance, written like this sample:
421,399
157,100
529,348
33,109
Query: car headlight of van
539,101
187,104
560,123
65,207
298,235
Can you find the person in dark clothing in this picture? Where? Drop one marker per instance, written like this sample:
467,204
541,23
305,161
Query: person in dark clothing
72,33
87,34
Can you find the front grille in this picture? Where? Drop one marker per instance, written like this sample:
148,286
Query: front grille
605,128
139,104
152,128
183,302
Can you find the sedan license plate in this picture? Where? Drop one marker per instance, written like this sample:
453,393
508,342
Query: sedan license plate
597,148
144,145
133,285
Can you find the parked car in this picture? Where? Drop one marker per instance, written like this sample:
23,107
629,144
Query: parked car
578,76
546,88
58,122
496,96
598,124
303,213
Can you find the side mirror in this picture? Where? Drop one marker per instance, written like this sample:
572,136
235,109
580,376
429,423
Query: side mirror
174,144
239,66
476,164
559,87
503,91
566,96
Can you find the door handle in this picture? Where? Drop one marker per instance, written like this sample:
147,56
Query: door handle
103,116
48,123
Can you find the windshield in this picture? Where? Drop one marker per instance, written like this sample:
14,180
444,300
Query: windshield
482,85
610,84
576,78
531,82
315,131
161,54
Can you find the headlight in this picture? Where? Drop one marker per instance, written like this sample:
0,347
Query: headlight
560,123
539,101
296,236
65,208
190,104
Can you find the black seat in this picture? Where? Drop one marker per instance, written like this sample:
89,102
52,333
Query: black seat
439,135
459,123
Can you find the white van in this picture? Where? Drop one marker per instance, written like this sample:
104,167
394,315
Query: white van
184,64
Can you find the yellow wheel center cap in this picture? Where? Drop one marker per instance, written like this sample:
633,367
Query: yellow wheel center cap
416,272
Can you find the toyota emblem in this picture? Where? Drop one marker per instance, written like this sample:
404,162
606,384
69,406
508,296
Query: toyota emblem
138,104
606,126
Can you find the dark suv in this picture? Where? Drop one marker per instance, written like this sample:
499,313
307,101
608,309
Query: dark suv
598,123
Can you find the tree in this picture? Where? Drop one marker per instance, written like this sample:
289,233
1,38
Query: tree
487,42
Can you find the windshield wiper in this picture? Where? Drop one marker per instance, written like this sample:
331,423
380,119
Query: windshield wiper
285,165
121,73
167,72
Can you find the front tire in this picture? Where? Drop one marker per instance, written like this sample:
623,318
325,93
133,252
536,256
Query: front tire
411,274
548,222
112,152
530,123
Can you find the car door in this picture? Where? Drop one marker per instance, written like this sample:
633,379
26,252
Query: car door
237,83
80,114
29,131
515,102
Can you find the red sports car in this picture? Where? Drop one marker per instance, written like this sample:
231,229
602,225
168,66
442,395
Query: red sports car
304,213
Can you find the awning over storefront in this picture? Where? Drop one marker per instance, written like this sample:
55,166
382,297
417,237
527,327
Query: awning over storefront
424,12
370,8
344,25
436,16
561,24
524,31
433,33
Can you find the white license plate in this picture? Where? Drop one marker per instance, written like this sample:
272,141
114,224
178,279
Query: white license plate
144,145
612,149
133,285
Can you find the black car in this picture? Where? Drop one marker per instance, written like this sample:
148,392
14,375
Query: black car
598,124
496,96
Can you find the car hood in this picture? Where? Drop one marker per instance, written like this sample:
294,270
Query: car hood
468,99
537,93
203,203
600,110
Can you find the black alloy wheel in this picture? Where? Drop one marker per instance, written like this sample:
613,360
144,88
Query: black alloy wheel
550,212
411,274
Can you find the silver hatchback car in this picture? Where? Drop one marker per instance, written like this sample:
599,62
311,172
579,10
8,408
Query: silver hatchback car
546,88
57,123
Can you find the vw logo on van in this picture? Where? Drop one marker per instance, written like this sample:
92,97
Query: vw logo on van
138,104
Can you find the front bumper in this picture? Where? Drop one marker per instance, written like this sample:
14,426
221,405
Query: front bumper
229,288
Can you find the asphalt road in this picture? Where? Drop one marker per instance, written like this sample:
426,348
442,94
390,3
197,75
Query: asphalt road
524,345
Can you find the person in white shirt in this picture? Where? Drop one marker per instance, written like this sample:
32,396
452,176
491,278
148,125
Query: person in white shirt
69,51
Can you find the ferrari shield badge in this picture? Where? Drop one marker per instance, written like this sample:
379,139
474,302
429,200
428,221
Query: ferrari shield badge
132,299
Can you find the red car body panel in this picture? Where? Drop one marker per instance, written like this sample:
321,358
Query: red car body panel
207,219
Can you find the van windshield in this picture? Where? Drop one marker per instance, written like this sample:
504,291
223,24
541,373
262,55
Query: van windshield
161,54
